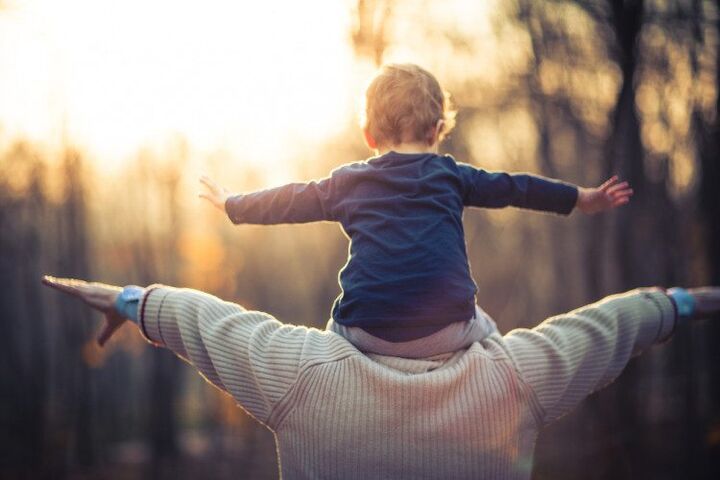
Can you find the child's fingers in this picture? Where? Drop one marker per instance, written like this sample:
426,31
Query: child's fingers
214,200
207,197
618,187
608,183
621,193
620,201
209,183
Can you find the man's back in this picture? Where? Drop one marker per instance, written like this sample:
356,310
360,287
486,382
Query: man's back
338,413
466,416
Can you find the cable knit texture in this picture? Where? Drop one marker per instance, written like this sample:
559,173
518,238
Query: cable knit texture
338,413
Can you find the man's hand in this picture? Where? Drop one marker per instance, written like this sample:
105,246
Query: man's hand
707,301
214,193
607,196
99,296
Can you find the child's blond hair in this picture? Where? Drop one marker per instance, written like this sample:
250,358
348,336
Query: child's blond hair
404,103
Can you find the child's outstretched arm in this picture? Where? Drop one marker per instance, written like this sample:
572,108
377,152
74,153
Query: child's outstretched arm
292,203
524,190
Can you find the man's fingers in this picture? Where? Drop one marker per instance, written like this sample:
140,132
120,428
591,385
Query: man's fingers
67,285
705,291
707,301
107,331
97,295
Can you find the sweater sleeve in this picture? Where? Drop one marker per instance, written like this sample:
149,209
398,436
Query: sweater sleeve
500,189
248,354
292,203
570,356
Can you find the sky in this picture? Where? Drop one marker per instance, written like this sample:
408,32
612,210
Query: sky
260,79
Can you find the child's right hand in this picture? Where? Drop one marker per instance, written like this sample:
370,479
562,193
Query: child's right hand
607,196
214,193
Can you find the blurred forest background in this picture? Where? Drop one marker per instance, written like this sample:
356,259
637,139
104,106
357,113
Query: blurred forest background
572,89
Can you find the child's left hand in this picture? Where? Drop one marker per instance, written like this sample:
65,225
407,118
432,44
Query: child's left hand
607,196
214,193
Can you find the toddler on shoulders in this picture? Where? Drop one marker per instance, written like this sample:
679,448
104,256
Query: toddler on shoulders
407,276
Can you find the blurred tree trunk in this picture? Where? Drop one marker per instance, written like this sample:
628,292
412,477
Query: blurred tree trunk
710,178
23,367
75,320
30,261
369,35
541,107
621,430
645,235
707,453
624,147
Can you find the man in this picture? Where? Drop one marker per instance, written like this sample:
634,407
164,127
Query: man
339,413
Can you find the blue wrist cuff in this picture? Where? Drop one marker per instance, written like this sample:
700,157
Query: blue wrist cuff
127,302
684,302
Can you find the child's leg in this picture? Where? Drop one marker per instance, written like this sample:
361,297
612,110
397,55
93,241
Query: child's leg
485,319
453,337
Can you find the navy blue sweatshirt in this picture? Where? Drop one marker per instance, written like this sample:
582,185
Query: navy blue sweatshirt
407,273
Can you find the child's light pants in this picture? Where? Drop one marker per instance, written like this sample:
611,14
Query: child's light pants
454,337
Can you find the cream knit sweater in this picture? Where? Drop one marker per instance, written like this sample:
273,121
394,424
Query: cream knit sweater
339,414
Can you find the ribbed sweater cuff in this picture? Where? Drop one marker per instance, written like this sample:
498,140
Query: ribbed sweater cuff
668,316
153,318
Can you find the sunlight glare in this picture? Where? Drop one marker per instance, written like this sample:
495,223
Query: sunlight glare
113,77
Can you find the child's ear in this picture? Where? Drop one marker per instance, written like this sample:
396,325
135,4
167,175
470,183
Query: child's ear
369,139
434,134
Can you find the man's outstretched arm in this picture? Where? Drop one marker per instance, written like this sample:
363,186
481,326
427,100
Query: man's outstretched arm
248,354
570,356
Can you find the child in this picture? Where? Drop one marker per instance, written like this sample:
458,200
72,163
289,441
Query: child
407,275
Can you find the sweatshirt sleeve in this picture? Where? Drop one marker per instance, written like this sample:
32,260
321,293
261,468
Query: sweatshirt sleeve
570,356
250,355
293,203
524,190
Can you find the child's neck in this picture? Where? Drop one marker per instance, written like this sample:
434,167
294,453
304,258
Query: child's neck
408,147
